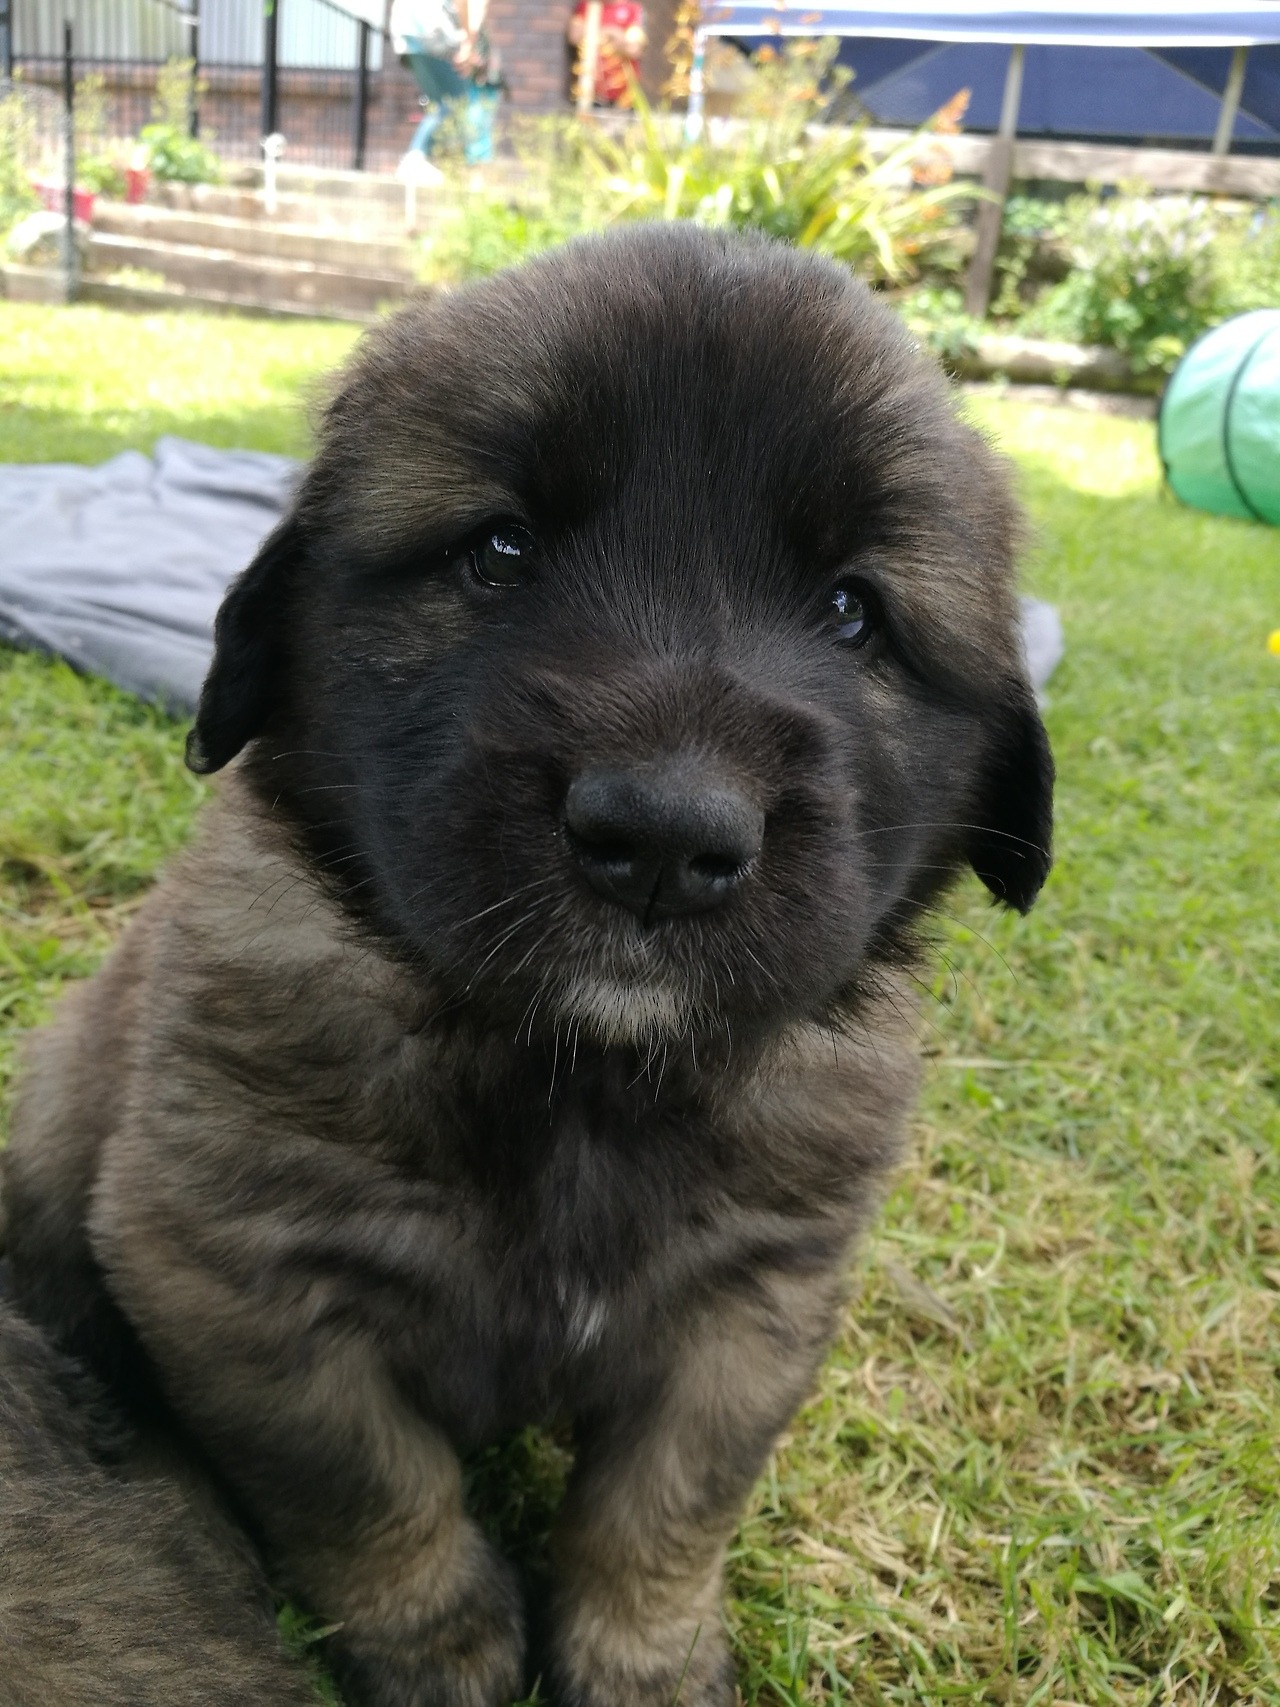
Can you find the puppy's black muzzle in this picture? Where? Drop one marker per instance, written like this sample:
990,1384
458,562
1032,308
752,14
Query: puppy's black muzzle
662,841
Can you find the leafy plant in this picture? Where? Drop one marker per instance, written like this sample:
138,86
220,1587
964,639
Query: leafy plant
91,112
480,227
176,90
776,170
17,140
936,314
101,159
102,173
173,155
1246,263
1030,244
1142,281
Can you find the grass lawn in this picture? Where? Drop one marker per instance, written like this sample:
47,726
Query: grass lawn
1042,1463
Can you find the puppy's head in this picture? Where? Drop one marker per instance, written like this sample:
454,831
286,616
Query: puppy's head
642,651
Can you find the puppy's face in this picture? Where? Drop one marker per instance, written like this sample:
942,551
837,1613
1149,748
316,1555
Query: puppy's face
641,655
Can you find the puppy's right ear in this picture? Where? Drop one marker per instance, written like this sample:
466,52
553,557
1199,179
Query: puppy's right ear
239,689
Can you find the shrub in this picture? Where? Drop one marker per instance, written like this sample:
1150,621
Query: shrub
102,173
173,155
100,157
936,314
1030,248
91,112
17,144
481,227
1246,263
775,170
1143,277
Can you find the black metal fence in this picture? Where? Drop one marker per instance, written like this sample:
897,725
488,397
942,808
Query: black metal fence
307,69
33,131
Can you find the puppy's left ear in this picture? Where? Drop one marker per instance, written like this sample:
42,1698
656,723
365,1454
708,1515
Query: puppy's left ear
1010,845
239,689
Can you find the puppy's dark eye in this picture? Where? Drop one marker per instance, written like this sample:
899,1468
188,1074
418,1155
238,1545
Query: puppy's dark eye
851,614
504,557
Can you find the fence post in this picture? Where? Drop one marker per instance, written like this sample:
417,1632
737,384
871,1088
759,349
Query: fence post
360,117
193,98
1230,102
995,179
6,40
271,69
69,162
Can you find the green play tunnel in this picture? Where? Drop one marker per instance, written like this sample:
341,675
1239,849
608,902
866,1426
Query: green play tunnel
1219,426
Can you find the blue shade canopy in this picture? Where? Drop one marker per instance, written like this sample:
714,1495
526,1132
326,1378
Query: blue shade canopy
1093,23
1173,94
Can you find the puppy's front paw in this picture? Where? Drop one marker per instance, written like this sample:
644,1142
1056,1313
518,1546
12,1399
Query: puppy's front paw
469,1656
609,1668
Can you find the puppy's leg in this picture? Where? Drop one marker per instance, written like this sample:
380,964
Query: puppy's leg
430,1613
657,1492
357,1496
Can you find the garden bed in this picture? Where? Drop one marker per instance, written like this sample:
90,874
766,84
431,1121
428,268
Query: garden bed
1039,361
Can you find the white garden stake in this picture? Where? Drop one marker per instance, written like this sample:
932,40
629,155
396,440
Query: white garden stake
272,149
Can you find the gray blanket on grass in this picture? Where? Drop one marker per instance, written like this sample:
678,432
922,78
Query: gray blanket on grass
119,569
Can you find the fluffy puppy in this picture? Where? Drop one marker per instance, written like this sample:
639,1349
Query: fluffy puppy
116,1589
522,1036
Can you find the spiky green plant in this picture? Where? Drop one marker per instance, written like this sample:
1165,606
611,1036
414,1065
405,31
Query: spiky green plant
779,168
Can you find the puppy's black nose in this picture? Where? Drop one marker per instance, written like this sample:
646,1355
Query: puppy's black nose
661,842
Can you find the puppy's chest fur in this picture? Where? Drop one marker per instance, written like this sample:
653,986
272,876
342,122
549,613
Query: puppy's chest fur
517,1238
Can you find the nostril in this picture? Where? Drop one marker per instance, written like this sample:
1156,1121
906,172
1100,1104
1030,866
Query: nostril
718,868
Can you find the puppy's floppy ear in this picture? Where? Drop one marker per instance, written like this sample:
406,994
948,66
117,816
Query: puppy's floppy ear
1010,845
239,689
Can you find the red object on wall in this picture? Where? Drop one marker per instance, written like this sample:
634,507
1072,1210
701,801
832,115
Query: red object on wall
137,181
622,41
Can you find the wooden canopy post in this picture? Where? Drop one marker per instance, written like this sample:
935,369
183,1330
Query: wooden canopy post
589,57
1230,102
999,170
693,118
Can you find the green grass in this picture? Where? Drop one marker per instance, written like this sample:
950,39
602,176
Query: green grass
1041,1465
93,381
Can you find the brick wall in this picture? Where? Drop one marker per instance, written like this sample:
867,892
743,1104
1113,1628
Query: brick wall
530,34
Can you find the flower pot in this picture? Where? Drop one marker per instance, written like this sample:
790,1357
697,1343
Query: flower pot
54,197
